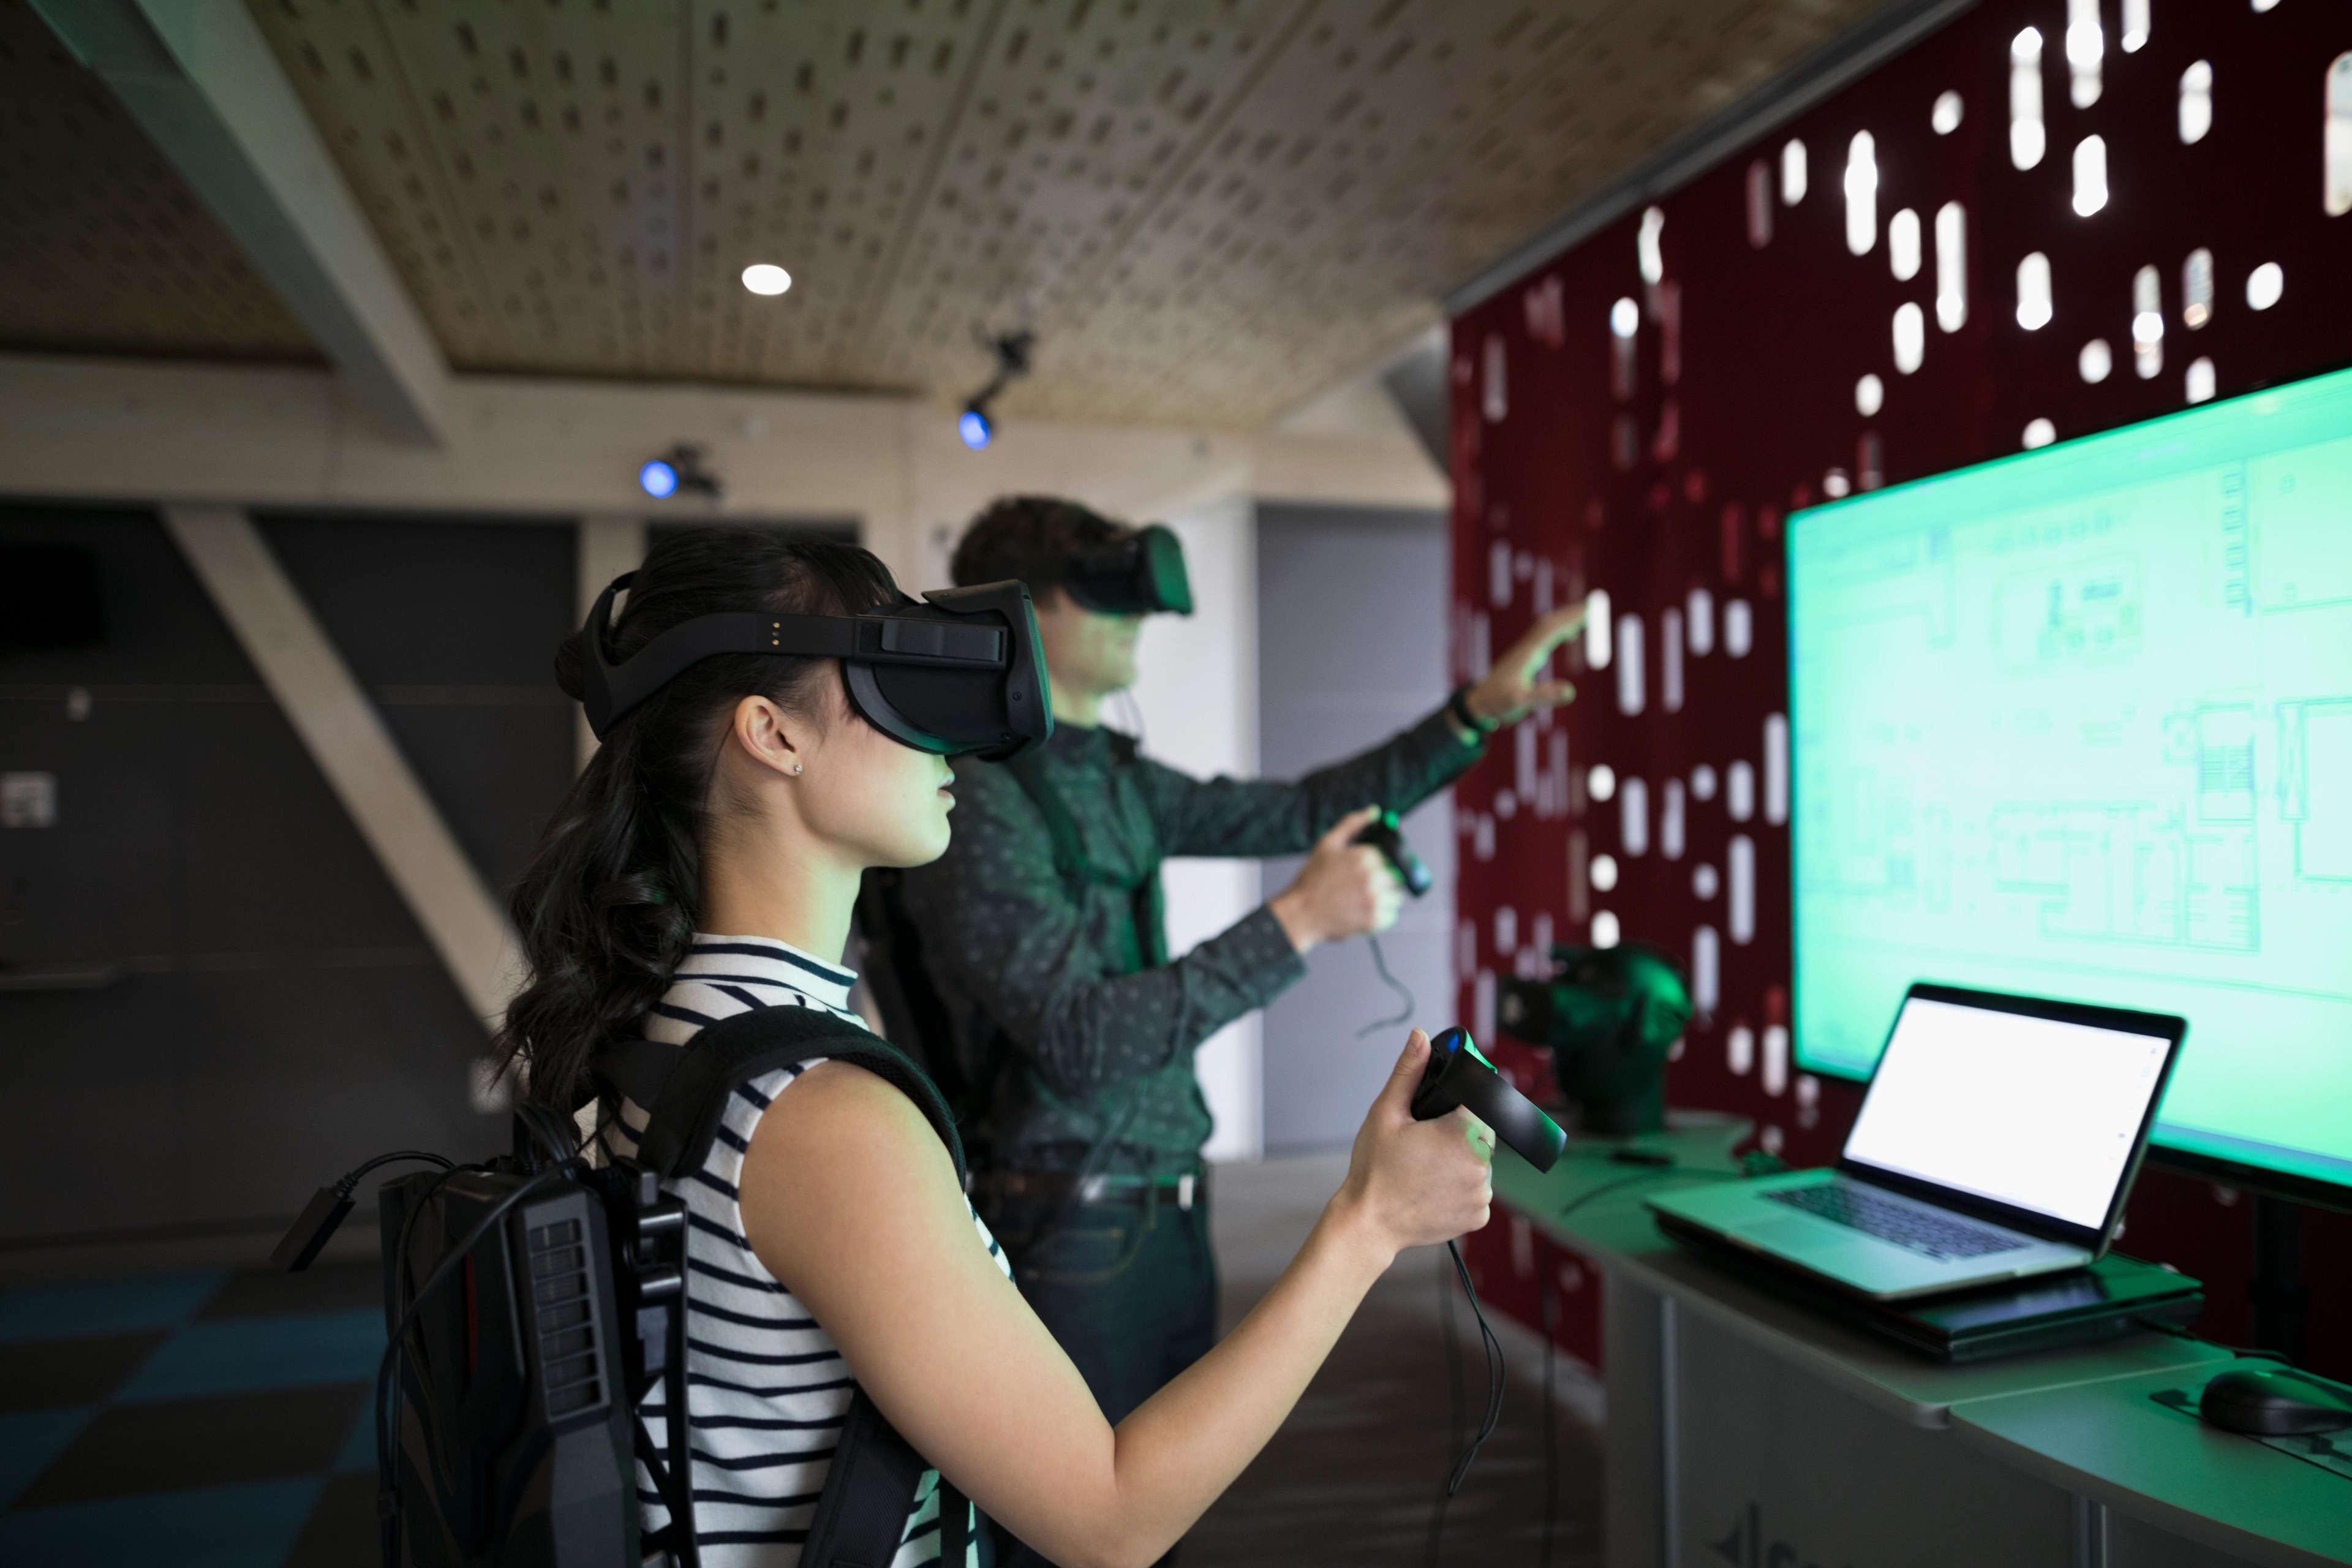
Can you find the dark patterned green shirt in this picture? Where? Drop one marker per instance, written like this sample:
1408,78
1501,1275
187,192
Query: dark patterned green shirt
1047,985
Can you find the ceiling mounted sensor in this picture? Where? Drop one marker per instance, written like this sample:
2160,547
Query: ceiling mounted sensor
766,278
679,468
1012,349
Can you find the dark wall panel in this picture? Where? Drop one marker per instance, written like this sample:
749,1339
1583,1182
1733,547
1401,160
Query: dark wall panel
274,1014
452,628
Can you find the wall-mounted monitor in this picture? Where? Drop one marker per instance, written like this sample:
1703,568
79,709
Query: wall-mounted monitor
2078,723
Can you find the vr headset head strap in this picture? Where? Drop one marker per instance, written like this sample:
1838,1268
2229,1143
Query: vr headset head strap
608,690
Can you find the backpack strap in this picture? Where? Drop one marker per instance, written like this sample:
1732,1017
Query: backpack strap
1146,905
683,1090
875,1475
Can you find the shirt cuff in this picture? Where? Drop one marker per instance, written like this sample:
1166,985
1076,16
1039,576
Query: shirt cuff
1256,952
1437,745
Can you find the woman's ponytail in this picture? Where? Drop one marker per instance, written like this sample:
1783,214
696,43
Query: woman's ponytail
609,904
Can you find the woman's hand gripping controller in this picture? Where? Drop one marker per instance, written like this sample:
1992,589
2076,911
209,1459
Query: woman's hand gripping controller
1417,1182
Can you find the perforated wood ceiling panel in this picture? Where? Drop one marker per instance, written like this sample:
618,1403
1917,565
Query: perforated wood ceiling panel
1210,209
103,249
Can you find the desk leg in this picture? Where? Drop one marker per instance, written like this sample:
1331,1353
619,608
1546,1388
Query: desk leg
2090,1533
1638,1482
1670,1553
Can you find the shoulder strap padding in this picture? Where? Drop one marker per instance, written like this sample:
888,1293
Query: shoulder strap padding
683,1090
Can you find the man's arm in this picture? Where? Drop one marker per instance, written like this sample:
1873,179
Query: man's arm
1267,817
1254,817
998,916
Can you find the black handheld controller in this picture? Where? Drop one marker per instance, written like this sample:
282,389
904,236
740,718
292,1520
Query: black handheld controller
1457,1074
1383,835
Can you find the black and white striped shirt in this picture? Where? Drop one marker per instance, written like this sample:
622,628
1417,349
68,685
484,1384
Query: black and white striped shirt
766,1390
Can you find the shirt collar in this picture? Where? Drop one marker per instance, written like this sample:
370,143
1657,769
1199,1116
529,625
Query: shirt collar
765,958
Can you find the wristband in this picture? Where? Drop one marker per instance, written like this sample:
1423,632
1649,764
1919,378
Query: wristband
1460,707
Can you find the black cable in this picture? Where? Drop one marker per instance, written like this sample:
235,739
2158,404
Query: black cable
1493,1348
1455,1419
344,1187
1495,1366
1380,964
1495,1373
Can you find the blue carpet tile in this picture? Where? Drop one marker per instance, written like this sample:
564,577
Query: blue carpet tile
201,1420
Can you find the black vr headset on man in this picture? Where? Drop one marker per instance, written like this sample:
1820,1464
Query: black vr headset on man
961,671
1137,574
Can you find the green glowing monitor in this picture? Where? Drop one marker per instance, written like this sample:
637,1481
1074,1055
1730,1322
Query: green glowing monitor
2078,723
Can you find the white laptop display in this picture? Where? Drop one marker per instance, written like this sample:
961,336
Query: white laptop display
1998,1139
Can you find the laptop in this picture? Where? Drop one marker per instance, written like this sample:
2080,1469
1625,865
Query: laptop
1998,1139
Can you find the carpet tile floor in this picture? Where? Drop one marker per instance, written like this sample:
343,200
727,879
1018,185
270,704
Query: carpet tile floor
210,1419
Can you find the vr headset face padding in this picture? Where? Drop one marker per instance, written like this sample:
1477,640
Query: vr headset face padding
961,673
1140,574
1457,1074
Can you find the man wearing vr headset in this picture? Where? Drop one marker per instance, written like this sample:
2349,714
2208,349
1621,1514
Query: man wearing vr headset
1043,949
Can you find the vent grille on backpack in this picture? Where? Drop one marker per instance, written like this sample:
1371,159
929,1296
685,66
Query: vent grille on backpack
564,1309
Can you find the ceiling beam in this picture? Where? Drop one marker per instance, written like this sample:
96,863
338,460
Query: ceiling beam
199,78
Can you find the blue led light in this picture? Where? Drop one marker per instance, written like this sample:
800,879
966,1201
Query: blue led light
974,428
658,479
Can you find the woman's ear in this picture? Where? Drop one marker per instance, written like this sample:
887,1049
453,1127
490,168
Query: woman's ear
770,737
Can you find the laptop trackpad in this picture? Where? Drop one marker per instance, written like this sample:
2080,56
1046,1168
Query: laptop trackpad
1803,1235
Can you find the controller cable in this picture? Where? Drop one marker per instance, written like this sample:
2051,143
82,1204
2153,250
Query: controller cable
1496,1369
1493,1348
1379,963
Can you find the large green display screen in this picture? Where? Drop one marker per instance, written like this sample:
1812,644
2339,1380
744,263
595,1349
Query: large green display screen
2079,723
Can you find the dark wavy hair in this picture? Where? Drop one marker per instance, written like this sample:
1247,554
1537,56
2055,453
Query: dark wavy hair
610,902
1031,538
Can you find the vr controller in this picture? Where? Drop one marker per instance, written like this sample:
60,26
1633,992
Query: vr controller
1458,1075
1383,835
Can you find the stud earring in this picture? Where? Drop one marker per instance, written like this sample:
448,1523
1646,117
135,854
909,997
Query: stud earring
796,770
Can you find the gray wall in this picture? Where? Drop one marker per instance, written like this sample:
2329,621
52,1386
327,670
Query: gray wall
1351,648
279,1015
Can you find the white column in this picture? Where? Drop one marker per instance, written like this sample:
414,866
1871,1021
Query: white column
1198,695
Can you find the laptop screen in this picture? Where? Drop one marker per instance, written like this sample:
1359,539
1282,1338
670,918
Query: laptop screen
2039,1113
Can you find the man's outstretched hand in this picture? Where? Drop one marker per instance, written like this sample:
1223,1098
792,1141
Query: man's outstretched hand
1511,691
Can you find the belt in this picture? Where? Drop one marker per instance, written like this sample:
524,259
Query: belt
1058,1187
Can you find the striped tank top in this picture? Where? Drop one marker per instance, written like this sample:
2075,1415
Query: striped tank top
766,1391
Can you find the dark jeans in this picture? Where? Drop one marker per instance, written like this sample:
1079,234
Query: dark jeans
1128,1285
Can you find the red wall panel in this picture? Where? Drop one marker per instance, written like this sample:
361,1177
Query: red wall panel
1661,472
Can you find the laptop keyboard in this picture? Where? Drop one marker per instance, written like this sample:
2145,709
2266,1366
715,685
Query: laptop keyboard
1921,1230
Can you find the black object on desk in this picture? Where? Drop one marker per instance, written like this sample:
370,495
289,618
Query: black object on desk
2276,1402
2111,1299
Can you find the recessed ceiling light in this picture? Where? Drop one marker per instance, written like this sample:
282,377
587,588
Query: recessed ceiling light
766,278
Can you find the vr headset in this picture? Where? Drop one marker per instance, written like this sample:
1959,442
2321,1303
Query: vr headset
961,671
1137,574
1610,1015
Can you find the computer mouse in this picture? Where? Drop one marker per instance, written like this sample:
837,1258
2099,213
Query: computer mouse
2276,1402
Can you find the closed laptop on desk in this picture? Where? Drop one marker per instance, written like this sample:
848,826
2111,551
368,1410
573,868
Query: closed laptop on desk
1998,1139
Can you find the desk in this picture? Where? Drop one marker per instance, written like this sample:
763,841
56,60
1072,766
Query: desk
1745,1429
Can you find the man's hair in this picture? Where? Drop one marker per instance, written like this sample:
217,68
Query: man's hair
1028,538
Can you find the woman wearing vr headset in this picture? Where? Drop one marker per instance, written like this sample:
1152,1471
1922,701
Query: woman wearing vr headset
707,863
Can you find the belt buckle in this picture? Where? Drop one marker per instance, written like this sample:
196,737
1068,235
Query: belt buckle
1185,1192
